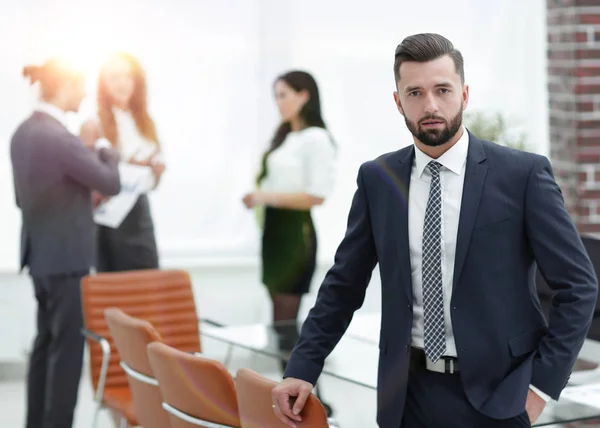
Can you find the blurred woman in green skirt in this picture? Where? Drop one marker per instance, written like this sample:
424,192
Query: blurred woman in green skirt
297,174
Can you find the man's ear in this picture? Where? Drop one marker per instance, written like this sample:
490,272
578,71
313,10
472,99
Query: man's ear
398,103
465,97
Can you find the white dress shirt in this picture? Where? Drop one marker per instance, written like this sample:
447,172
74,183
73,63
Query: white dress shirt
452,178
53,111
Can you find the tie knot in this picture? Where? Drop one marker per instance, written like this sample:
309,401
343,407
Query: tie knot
434,168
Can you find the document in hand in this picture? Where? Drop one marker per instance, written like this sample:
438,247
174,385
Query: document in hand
112,212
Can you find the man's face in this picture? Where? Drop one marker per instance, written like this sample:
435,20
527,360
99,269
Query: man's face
431,97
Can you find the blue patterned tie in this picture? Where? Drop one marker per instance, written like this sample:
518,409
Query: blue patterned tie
433,303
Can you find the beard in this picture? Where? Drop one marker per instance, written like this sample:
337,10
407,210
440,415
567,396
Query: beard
435,137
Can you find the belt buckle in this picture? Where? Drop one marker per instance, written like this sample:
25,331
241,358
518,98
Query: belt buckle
443,365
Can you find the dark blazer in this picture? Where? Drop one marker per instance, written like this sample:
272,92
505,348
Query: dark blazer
592,245
512,216
54,174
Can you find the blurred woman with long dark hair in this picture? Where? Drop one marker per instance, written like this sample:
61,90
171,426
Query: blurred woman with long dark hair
296,175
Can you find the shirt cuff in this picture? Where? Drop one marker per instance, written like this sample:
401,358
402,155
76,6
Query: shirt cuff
102,143
544,397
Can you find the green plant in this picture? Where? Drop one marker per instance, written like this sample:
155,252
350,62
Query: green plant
493,127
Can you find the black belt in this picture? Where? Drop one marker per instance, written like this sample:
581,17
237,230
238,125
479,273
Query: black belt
418,360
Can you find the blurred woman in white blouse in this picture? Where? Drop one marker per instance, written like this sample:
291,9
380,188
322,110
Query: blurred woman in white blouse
125,123
297,174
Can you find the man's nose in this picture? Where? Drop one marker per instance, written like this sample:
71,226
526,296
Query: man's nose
431,106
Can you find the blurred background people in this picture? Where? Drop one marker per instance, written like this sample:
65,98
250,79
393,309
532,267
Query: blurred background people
54,175
296,175
124,121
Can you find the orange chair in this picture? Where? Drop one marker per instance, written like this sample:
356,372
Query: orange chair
162,297
131,337
256,406
197,391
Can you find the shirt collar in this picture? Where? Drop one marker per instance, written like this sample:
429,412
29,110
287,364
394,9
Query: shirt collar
453,159
53,111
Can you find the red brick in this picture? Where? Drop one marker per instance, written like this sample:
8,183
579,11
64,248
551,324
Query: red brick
562,71
590,194
588,158
553,38
553,4
587,53
560,122
588,142
588,124
561,88
597,176
586,3
580,37
587,71
583,211
563,105
586,106
581,88
561,54
588,228
559,18
589,19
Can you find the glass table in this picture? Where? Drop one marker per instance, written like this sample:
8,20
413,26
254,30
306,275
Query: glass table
355,360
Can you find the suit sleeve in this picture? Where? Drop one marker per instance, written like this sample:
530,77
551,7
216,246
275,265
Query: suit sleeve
95,170
16,194
566,267
341,294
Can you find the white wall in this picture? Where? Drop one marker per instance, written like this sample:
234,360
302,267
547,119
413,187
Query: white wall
211,65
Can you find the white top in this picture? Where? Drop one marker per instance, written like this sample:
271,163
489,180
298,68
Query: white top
452,178
132,144
53,111
304,163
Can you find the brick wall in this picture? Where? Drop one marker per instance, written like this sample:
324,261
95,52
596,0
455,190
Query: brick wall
574,105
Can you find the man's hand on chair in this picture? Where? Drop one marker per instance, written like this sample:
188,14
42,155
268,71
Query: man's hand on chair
289,398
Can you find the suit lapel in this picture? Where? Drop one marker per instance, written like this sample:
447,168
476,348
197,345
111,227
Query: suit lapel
403,168
475,174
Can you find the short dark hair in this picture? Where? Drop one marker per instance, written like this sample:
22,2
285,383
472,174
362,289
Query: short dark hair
426,47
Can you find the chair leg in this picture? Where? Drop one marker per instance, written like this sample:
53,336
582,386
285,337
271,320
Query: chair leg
227,359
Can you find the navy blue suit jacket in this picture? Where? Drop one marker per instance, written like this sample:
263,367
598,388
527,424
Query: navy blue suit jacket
512,217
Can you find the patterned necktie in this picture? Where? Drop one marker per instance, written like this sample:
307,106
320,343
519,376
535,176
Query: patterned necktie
433,303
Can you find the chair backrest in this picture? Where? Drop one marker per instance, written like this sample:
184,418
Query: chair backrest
255,404
162,297
131,337
194,387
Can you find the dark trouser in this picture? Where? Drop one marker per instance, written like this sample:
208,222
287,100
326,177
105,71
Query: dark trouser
57,357
436,400
132,245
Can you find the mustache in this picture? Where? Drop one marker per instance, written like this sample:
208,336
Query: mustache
428,118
